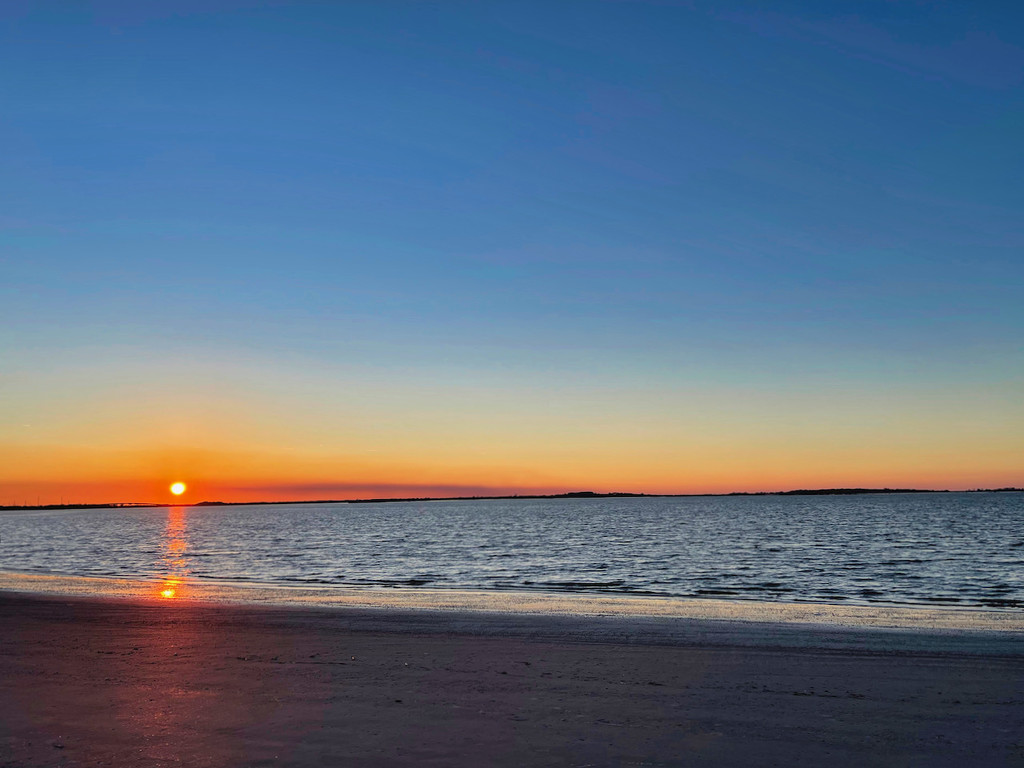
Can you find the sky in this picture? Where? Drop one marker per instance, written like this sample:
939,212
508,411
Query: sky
309,250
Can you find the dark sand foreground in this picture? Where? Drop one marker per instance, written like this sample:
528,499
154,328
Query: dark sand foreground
88,682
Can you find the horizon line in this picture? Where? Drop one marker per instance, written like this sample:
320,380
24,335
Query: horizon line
564,495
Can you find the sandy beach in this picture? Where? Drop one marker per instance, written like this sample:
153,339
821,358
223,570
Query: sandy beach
134,682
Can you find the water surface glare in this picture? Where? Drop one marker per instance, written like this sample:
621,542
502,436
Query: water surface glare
957,549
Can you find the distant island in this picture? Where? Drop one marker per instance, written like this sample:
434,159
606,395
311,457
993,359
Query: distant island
568,495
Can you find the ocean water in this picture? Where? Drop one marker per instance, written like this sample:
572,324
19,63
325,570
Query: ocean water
957,549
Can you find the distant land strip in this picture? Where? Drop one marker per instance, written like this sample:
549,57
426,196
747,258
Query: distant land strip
570,495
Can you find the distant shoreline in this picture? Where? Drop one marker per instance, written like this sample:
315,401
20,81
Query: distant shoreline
569,495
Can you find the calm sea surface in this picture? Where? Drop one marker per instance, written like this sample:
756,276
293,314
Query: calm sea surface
927,549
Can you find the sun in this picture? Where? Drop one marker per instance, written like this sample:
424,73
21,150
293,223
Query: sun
178,488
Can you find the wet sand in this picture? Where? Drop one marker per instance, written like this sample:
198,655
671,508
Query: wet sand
141,682
574,604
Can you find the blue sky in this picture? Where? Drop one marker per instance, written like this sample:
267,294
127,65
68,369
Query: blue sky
638,194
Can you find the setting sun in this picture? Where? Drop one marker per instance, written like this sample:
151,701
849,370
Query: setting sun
177,488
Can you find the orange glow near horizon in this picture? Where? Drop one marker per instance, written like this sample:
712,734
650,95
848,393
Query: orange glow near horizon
335,434
423,485
439,464
691,475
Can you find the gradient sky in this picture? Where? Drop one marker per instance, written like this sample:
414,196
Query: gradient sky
329,250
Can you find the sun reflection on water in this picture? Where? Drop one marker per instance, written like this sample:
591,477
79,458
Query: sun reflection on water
174,562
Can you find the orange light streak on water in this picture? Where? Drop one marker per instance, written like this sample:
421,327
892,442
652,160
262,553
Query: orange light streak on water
174,561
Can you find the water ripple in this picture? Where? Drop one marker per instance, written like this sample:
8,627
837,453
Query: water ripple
924,549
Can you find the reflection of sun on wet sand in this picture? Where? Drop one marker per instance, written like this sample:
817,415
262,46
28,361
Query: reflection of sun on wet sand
169,588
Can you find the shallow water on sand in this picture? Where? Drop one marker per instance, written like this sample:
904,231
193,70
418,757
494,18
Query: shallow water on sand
956,549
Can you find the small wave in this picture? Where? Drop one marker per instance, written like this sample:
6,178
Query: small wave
998,602
396,582
580,584
904,561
